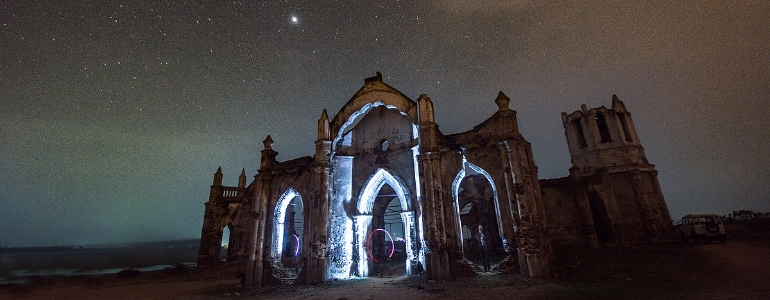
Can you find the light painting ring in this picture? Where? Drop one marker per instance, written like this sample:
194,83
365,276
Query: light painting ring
369,240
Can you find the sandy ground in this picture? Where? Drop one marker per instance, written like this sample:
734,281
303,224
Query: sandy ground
736,270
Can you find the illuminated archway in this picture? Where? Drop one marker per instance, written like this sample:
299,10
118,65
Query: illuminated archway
279,216
364,220
467,171
374,184
362,109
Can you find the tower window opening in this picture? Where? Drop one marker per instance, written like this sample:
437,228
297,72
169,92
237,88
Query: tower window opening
604,131
626,132
579,132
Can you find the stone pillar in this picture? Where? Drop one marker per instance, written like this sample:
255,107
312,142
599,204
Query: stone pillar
437,264
211,233
316,251
361,225
509,217
407,218
534,248
316,238
258,266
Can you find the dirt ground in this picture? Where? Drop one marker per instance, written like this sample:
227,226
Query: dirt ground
735,270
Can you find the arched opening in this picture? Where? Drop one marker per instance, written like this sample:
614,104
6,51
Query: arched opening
287,234
225,245
384,228
385,244
476,203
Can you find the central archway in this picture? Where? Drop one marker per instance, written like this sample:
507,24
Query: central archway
376,210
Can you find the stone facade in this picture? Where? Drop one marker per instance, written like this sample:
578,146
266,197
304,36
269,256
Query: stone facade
382,158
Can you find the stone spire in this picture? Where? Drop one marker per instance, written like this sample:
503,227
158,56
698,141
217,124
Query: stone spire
324,131
218,177
242,179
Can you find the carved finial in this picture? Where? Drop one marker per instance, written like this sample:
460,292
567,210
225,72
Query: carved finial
218,177
268,142
324,131
502,102
242,179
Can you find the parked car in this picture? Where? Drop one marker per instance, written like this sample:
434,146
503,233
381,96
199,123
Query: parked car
702,227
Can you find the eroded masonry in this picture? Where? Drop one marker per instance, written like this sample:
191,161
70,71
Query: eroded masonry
386,188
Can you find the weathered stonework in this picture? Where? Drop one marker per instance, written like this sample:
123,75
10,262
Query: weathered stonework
383,156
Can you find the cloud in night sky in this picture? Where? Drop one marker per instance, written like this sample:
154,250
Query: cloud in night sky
114,117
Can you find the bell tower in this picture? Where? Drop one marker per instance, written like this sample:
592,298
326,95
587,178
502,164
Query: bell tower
603,138
621,186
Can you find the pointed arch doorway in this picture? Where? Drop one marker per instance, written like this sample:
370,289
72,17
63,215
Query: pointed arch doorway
287,232
476,201
384,227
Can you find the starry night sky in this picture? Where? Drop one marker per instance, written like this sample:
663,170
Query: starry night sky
114,116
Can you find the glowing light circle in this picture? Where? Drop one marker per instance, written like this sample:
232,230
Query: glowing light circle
296,249
369,240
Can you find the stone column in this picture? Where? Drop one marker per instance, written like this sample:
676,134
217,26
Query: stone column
317,237
362,223
211,233
258,261
509,217
534,248
437,265
407,218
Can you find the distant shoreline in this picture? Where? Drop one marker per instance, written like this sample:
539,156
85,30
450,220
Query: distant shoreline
77,260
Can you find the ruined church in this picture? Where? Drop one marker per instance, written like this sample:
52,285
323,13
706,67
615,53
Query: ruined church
385,184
